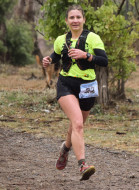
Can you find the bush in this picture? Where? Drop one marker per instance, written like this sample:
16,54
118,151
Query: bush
6,6
19,41
3,48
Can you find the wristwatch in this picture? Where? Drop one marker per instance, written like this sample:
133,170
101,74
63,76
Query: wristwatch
88,55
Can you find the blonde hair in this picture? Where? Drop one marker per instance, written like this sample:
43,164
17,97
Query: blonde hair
75,7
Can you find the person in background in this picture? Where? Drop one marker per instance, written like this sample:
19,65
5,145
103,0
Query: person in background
80,50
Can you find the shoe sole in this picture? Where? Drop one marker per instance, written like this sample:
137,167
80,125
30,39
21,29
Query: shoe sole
87,173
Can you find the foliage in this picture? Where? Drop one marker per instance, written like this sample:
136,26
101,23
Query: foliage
16,43
5,7
3,48
19,41
117,33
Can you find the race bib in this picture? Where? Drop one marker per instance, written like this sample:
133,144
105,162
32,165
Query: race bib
89,90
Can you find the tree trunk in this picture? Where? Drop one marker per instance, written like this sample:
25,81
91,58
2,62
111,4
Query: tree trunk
21,7
29,12
120,94
123,96
102,78
101,72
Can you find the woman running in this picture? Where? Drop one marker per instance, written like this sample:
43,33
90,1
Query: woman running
80,50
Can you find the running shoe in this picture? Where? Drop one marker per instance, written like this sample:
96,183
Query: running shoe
63,158
86,171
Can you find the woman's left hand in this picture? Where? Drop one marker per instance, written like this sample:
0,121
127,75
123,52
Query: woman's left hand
76,54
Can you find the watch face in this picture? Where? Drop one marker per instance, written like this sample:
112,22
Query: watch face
88,55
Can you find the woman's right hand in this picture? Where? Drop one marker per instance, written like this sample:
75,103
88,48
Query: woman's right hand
46,61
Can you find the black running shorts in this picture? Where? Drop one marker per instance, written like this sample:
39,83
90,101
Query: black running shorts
70,85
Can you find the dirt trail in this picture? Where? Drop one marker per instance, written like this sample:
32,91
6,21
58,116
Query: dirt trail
27,162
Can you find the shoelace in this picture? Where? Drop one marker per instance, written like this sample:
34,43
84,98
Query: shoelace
83,165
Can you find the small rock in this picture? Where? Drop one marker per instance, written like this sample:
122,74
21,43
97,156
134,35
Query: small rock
132,176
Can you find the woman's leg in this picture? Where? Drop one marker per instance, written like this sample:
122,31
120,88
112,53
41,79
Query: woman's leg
68,137
70,106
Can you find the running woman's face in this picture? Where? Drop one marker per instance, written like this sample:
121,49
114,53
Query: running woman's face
75,20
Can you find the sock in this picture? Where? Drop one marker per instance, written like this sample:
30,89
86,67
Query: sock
81,161
65,148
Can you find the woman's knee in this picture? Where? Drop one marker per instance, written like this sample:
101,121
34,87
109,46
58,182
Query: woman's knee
77,126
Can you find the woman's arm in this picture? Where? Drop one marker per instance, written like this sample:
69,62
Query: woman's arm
100,58
55,57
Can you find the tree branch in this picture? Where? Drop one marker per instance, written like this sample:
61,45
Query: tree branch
40,2
40,33
115,3
136,7
120,8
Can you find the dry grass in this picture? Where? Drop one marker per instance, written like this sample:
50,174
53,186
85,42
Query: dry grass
26,106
